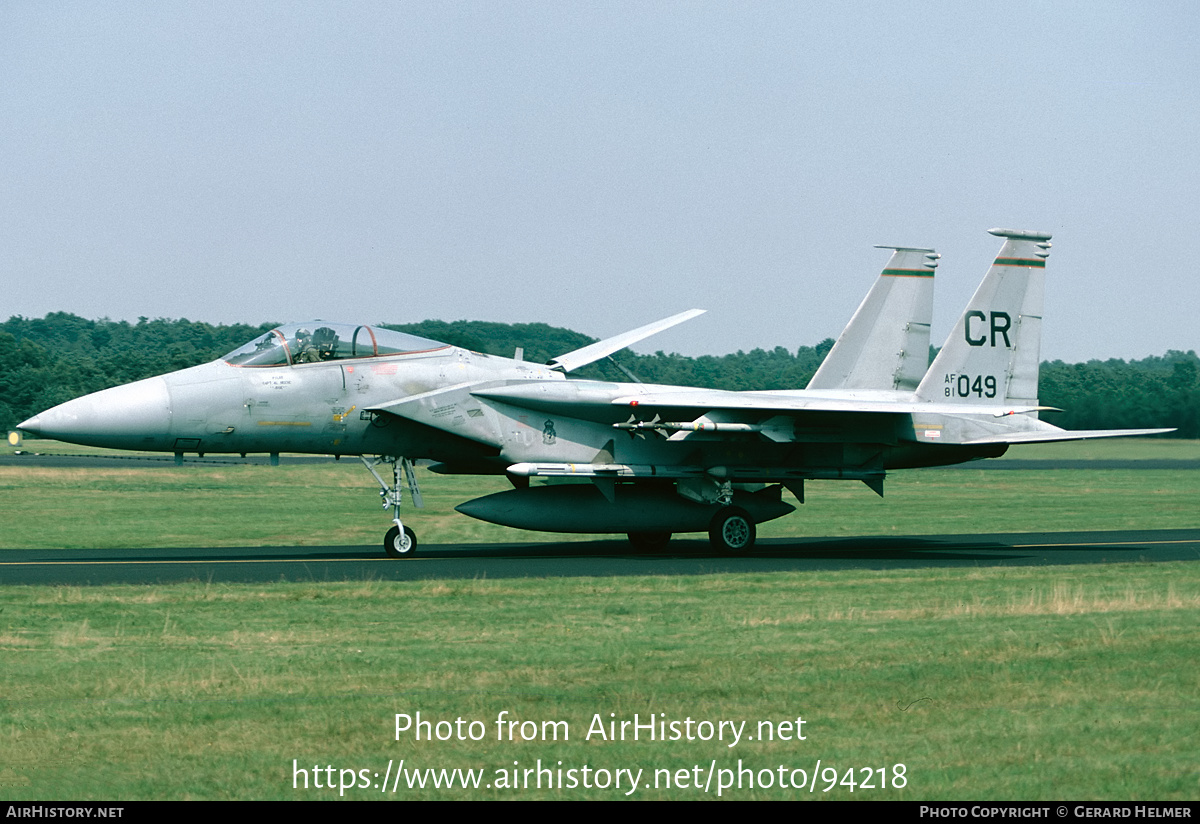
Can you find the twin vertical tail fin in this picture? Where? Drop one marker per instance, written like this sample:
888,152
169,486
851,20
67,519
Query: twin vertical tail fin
992,354
886,343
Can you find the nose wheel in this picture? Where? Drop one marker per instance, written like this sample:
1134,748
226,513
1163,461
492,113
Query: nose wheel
400,541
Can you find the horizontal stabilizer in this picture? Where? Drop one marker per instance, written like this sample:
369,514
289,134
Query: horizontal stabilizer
1064,435
602,349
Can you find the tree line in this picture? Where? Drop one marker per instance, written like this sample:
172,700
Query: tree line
46,361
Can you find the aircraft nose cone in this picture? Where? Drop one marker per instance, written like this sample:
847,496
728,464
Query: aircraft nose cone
134,416
33,426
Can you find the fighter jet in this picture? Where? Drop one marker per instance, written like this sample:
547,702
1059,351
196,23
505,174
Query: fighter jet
646,460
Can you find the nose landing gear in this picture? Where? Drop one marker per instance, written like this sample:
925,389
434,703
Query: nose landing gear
400,541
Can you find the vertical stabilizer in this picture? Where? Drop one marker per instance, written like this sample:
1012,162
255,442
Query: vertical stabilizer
886,343
992,354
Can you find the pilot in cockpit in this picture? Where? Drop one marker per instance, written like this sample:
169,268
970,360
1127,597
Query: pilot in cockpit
306,351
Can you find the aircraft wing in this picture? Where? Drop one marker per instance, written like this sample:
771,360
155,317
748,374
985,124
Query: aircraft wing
590,400
602,349
774,414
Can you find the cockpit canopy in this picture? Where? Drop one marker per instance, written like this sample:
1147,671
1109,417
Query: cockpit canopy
320,340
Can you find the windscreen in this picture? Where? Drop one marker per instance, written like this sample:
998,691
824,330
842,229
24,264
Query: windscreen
319,341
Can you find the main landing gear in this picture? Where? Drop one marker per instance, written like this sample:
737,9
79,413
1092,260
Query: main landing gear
400,541
731,531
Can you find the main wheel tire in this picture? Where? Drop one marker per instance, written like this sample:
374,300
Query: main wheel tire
400,546
731,531
649,541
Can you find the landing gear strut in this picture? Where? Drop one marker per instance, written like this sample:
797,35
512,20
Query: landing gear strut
400,541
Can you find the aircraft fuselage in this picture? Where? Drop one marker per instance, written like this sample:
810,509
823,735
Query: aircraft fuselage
450,409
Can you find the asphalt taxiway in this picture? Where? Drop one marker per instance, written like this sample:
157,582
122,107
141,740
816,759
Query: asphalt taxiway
603,558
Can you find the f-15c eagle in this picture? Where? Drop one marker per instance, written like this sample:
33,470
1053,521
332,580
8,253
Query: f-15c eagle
647,460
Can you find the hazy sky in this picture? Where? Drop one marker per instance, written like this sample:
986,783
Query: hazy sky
598,165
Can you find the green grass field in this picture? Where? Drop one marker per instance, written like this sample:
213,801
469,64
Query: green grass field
992,684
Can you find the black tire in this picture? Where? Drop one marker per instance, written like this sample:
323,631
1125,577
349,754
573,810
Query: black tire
732,531
397,547
649,541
